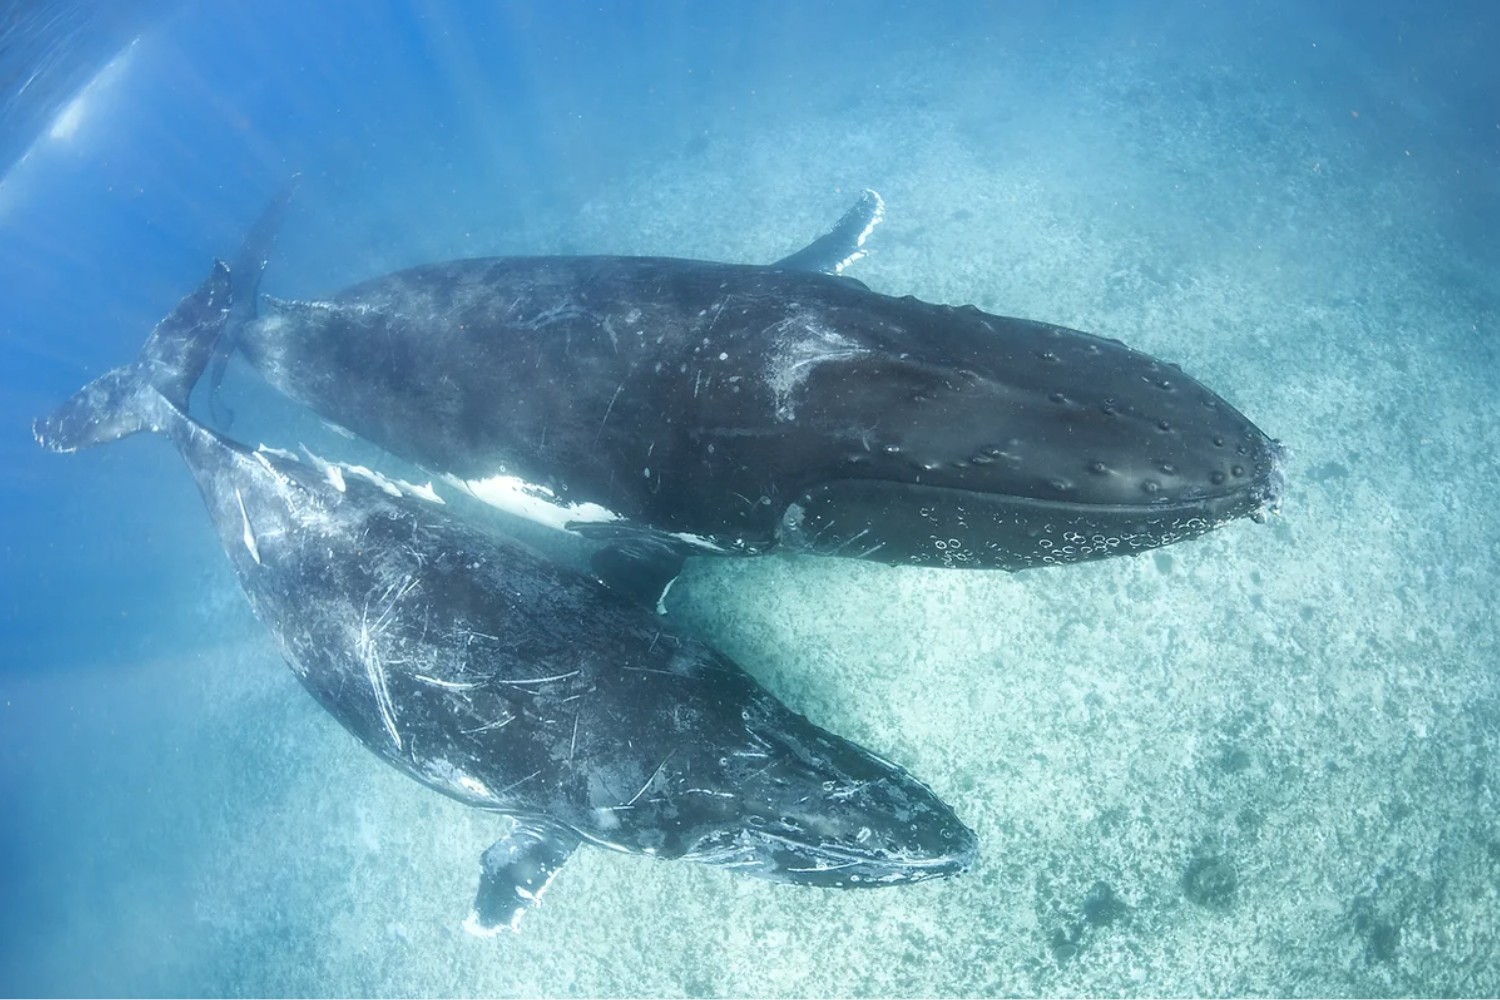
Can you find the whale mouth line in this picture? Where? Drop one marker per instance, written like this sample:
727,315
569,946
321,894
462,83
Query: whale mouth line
779,856
1262,494
843,857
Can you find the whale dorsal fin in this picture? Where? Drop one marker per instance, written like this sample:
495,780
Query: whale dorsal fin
844,243
515,871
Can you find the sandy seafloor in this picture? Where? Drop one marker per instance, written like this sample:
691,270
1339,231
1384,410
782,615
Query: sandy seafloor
1263,762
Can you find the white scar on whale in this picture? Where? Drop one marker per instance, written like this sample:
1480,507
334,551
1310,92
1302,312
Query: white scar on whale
368,652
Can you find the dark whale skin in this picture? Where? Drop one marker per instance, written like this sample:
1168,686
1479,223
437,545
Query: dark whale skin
739,409
513,683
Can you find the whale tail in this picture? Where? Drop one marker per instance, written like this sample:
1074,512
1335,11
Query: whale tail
142,395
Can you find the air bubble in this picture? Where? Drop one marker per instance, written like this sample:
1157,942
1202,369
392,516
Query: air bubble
1217,477
1237,470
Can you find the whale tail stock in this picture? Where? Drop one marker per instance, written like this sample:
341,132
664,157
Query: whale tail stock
141,395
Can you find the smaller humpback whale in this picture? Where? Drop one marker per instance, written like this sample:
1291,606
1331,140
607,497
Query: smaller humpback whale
673,407
511,683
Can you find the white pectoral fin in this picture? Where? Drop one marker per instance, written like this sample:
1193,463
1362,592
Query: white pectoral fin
515,871
533,501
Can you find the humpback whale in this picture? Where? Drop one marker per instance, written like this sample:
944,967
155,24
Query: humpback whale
511,683
672,407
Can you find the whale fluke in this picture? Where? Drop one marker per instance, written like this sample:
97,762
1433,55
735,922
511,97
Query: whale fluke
129,399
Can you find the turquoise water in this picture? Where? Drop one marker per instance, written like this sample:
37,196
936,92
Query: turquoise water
1261,762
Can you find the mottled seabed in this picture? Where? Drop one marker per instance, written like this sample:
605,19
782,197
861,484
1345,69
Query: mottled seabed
1259,763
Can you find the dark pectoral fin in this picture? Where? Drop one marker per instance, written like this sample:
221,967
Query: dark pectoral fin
844,243
219,411
255,252
244,274
514,873
639,570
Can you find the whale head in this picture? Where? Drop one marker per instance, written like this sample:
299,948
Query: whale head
809,808
1007,444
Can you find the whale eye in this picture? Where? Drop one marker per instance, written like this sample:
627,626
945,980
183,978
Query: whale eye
1150,485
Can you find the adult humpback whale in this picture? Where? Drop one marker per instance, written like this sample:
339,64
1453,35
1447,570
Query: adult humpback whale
511,683
675,406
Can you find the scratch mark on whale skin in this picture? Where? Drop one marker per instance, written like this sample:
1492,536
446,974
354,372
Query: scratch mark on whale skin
803,345
249,535
367,649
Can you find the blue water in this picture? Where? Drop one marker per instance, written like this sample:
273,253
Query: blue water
1263,762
